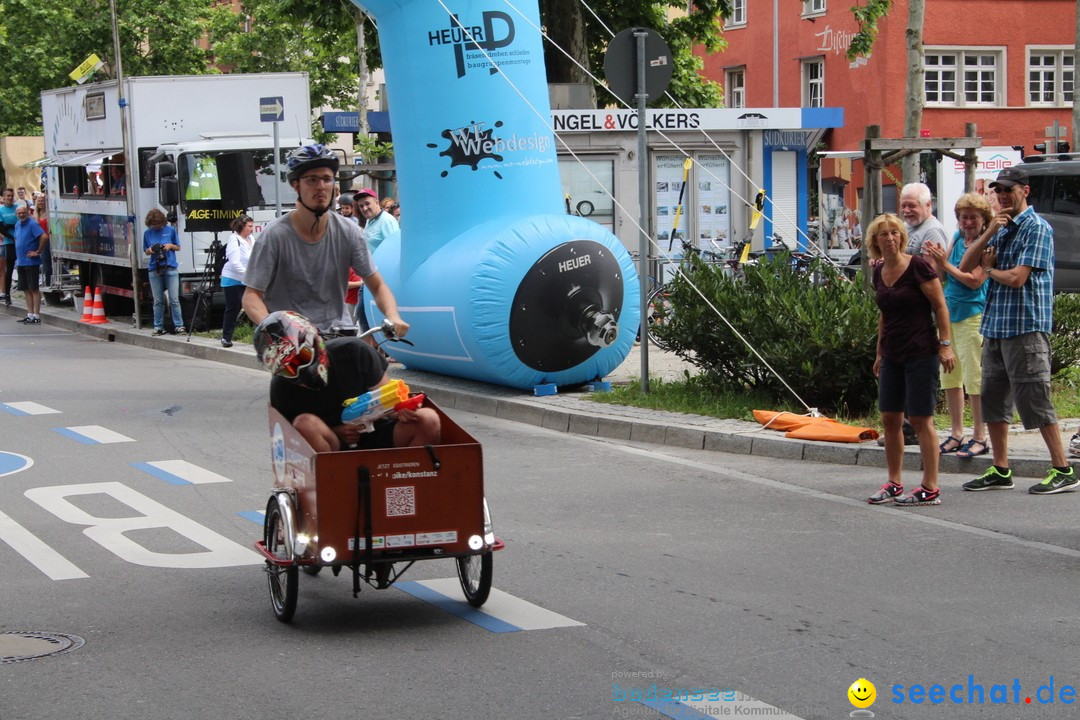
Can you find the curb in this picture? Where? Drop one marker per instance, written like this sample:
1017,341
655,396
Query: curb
564,413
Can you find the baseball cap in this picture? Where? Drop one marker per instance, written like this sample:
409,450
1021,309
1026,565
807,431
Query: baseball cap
1011,177
364,191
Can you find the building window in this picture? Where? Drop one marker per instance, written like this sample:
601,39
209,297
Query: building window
813,83
735,88
963,78
738,13
813,7
1050,77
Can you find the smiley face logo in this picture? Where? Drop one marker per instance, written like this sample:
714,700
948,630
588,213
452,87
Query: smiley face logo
862,693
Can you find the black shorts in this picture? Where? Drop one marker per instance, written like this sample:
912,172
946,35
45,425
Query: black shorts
910,386
28,277
381,437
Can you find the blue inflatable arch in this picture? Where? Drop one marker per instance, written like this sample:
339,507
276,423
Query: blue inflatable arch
497,282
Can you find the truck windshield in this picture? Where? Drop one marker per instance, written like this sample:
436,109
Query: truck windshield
209,177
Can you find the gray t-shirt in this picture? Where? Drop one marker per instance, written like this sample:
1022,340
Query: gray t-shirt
929,229
308,278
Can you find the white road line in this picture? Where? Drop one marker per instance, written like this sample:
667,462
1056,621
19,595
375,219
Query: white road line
27,408
180,472
93,434
507,608
40,555
892,513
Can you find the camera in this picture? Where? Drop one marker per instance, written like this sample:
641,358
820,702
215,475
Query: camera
158,252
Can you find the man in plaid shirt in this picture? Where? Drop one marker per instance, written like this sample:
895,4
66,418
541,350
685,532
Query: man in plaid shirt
1017,253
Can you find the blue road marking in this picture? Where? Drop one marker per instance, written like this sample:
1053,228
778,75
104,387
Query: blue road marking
14,411
11,463
256,516
79,437
457,607
159,473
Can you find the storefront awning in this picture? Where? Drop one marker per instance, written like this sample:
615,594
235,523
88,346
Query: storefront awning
81,157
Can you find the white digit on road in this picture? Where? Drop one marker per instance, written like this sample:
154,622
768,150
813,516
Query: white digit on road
43,557
109,532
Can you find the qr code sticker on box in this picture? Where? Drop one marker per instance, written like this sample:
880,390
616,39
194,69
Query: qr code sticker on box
400,501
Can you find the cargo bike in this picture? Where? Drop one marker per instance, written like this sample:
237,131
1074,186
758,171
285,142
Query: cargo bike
375,513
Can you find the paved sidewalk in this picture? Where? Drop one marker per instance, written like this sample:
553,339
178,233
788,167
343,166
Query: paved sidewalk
575,412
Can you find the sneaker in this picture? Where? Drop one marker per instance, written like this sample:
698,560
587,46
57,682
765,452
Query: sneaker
34,321
1074,445
920,496
888,492
226,343
24,320
992,479
181,330
1056,482
158,331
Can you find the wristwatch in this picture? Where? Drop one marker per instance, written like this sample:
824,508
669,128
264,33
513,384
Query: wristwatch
944,343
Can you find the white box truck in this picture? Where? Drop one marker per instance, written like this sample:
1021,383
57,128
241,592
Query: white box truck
202,148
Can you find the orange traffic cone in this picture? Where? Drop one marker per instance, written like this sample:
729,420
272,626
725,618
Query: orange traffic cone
87,306
98,317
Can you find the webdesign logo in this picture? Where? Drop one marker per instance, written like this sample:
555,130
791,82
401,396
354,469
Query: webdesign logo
495,31
476,142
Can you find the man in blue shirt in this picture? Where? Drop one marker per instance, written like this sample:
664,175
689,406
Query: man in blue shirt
7,250
30,240
1017,255
380,225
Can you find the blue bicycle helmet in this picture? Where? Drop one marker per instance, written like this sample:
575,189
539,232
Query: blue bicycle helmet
309,157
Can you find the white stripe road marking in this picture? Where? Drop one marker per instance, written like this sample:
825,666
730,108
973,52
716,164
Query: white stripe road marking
43,557
509,609
93,434
27,408
182,472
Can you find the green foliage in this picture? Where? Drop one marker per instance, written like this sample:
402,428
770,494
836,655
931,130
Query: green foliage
318,38
41,42
867,16
821,340
1065,340
701,26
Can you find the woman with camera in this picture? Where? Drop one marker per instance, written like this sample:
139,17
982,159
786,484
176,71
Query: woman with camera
237,252
161,242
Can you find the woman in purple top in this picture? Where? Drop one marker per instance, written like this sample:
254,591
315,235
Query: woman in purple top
909,351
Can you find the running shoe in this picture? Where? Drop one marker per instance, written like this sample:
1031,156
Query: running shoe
24,320
1074,445
1056,482
158,331
34,321
888,492
992,479
920,496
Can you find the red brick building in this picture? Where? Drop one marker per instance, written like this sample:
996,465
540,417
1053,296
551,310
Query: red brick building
1005,65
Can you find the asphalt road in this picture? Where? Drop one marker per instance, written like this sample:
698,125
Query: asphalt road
769,585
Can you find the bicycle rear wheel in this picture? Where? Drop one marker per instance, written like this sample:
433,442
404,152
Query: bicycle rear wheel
659,311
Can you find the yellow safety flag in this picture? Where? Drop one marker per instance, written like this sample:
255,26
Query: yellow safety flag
87,68
687,164
759,208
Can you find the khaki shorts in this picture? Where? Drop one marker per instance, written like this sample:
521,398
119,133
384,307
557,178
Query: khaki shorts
1016,371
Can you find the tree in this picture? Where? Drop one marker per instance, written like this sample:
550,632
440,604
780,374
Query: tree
586,38
867,16
50,39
